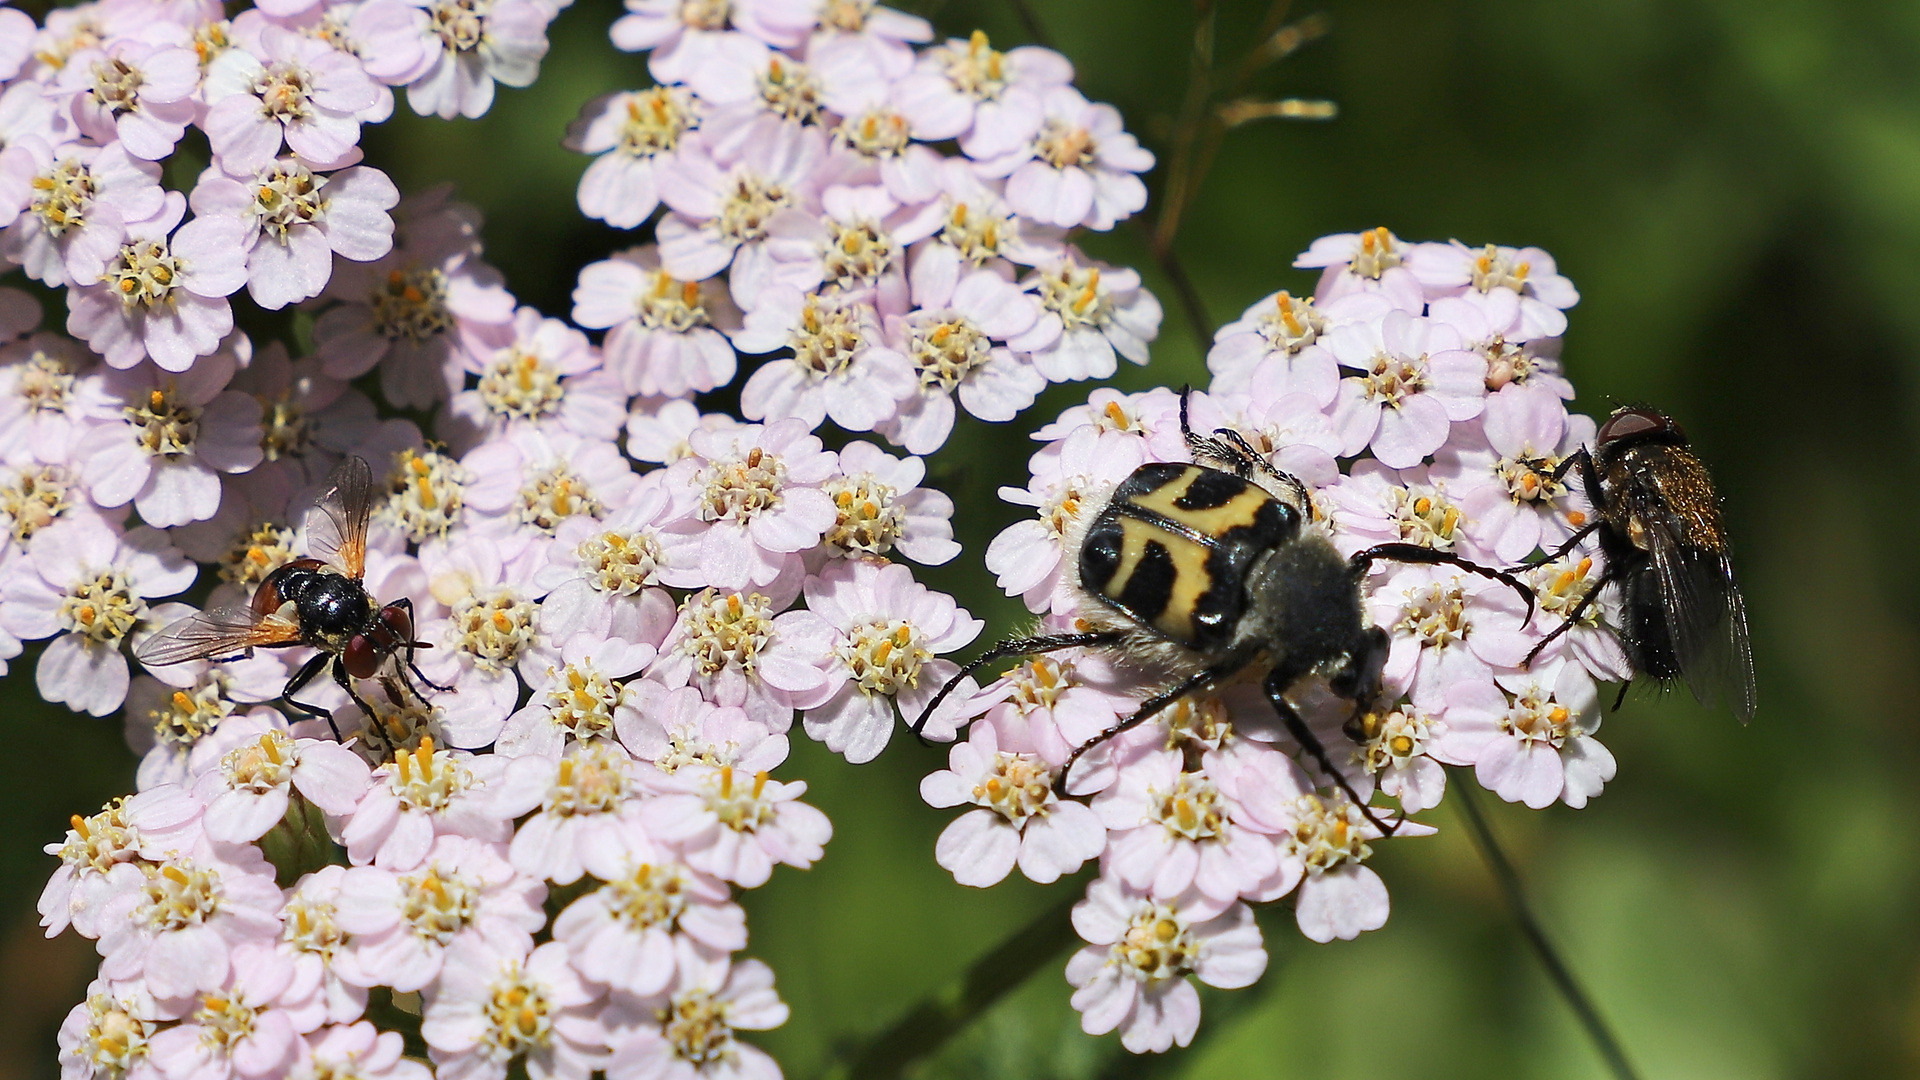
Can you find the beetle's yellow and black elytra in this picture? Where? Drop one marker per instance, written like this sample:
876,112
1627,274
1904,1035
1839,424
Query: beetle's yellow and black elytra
1195,575
1172,549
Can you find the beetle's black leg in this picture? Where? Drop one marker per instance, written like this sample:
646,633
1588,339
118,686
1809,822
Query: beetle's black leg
1572,542
1573,616
1027,646
1277,683
1414,553
300,679
1147,709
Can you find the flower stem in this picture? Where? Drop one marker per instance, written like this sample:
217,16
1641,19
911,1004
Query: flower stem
1557,970
941,1015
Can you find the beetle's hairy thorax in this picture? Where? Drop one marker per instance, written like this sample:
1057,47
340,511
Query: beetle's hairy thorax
1201,569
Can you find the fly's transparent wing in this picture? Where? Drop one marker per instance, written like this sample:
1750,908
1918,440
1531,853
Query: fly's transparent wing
1706,621
337,524
215,634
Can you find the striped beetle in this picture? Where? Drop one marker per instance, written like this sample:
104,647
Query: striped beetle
1199,574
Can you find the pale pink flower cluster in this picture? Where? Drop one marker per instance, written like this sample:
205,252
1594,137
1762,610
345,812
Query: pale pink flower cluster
791,161
1415,393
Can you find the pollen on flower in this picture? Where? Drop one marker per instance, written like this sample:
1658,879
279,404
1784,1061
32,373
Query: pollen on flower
285,91
460,24
187,716
99,842
1376,252
260,766
424,494
394,729
650,896
284,430
726,630
738,805
848,15
1157,944
210,39
706,14
977,70
591,780
1020,787
1389,736
885,657
45,382
876,133
62,197
1435,613
869,520
1492,269
521,386
620,563
826,339
790,91
945,348
553,495
104,610
694,1024
1530,479
115,1040
1293,323
1535,717
1038,683
656,118
857,253
35,498
266,549
286,194
748,206
1074,293
1196,723
1391,380
179,894
1064,145
1325,837
519,1017
979,236
165,425
427,780
493,627
1511,363
1559,587
310,926
116,85
143,274
1192,808
1425,516
581,702
737,490
224,1021
436,906
672,305
412,304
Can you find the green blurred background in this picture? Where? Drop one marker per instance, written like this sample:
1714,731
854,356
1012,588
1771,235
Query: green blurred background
1735,188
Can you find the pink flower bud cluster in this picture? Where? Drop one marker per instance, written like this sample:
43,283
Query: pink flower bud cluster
1417,395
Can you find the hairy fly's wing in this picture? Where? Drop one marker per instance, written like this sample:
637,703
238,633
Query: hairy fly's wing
337,524
216,633
1706,621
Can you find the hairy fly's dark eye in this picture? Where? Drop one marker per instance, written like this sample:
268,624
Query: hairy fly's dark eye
398,621
1635,422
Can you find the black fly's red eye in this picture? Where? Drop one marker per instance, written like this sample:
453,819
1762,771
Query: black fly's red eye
397,620
1634,423
360,657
